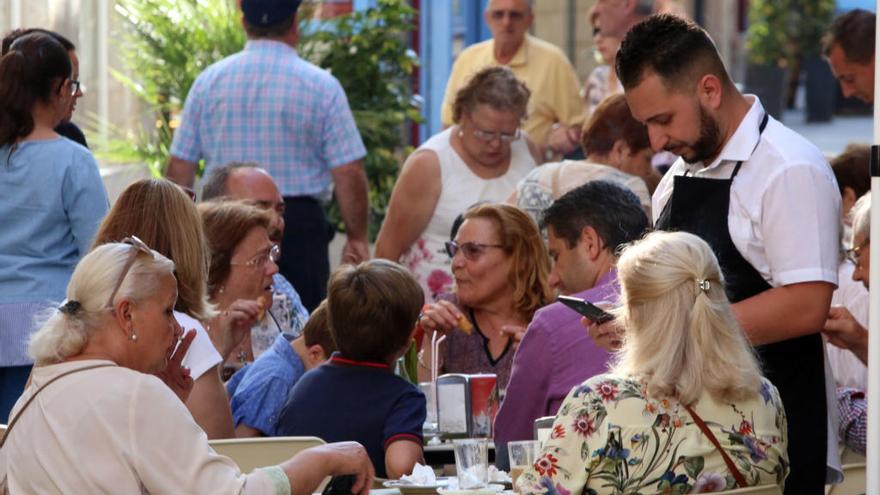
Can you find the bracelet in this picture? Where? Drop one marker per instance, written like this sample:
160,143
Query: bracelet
420,357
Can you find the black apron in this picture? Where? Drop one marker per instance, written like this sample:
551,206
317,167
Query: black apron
700,206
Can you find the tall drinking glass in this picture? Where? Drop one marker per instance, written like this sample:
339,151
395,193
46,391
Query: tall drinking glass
472,462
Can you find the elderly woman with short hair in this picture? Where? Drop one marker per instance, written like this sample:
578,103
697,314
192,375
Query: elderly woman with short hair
479,159
108,425
242,263
684,409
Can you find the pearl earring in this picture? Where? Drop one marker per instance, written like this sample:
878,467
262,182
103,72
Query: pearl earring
133,337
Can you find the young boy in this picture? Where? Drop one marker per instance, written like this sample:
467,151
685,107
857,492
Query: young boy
260,395
373,309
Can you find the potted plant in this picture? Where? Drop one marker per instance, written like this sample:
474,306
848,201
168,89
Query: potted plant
814,17
769,49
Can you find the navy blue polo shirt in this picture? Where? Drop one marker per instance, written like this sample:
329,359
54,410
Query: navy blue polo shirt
344,400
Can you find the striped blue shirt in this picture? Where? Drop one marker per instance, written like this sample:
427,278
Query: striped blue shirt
267,105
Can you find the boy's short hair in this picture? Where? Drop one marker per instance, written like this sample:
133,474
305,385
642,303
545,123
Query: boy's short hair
317,330
372,309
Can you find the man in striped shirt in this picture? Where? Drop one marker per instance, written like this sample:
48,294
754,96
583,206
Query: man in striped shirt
265,104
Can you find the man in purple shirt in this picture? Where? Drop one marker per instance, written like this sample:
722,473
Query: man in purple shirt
585,227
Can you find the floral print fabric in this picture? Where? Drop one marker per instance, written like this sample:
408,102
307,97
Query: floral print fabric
609,437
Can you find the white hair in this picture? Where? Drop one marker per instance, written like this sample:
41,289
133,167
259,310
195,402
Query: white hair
861,218
701,346
64,334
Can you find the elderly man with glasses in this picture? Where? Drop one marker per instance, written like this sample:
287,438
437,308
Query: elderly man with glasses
556,112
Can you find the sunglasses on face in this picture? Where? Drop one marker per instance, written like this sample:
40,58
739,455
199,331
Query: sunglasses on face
471,250
515,15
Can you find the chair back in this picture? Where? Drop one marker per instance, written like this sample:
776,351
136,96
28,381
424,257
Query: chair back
853,483
543,427
252,453
755,490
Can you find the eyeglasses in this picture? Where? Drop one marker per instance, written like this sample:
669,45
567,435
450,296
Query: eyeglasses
471,250
515,15
855,254
75,86
491,136
260,260
137,246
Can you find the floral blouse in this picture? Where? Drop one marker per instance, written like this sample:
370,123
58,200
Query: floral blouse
610,438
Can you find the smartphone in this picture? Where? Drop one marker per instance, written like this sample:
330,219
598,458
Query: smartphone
586,308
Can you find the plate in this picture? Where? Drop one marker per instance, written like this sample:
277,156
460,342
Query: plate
407,488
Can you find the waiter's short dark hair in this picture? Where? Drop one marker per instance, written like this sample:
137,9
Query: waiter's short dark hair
612,210
854,33
372,309
676,49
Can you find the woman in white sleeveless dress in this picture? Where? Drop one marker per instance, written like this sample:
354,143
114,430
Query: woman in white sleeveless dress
479,159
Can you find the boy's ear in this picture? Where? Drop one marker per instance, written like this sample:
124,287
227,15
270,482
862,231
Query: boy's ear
316,355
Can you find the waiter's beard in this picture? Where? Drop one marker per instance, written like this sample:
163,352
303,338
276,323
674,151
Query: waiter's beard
707,144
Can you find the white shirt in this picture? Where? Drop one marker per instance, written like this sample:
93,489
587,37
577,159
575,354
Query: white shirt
202,355
784,215
848,370
115,431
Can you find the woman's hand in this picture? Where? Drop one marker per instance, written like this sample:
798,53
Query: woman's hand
844,331
175,375
608,335
307,469
441,316
232,325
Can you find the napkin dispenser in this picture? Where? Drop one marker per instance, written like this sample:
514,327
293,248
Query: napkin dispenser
466,405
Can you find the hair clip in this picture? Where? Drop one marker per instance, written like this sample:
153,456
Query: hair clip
70,307
704,285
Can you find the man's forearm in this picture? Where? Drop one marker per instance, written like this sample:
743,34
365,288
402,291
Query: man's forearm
783,313
351,196
181,172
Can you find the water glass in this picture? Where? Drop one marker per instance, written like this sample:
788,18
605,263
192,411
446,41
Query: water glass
472,462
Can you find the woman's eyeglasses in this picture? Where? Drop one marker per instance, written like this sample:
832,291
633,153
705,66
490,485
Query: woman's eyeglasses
260,260
855,255
471,250
505,137
137,246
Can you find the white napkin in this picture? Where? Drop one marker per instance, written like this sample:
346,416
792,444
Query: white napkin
421,475
498,476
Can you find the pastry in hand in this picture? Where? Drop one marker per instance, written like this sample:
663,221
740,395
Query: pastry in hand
263,307
465,325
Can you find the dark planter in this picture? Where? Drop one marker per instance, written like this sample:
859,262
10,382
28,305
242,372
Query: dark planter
820,89
767,82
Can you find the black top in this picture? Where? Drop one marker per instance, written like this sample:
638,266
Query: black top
71,131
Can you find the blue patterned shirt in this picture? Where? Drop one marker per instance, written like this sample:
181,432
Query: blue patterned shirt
259,395
267,105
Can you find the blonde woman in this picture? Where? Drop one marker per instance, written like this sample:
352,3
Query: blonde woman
685,364
159,213
108,425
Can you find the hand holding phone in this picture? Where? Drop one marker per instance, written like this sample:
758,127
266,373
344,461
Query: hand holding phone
587,309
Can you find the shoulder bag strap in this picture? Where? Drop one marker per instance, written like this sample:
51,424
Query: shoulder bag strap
26,404
737,475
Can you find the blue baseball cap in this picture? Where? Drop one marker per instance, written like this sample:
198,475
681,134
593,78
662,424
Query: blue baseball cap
266,13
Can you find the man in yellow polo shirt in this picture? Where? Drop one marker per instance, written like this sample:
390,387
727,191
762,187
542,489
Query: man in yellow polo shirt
556,110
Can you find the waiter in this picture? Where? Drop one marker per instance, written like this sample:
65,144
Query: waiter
762,196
